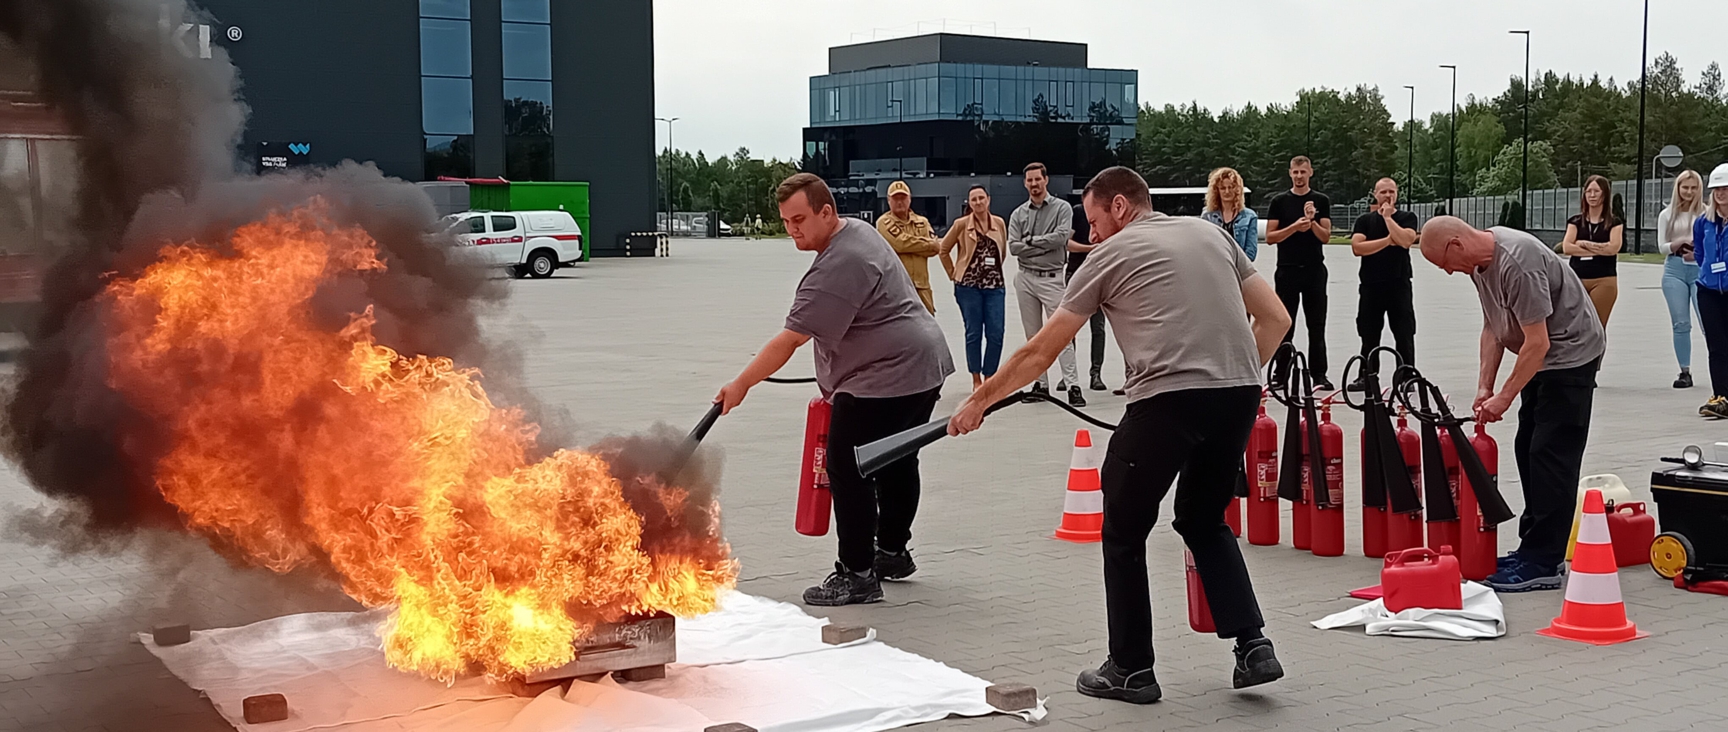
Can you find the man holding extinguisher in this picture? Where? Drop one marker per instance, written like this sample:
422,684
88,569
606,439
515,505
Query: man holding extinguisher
1195,323
880,358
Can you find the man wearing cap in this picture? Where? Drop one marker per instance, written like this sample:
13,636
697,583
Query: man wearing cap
912,239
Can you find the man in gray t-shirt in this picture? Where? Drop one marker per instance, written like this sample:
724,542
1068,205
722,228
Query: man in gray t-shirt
1534,306
880,359
1195,323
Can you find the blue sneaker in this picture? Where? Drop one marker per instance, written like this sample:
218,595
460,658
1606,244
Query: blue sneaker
1508,561
1524,577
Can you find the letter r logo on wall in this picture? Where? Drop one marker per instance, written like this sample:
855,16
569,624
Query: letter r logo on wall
300,148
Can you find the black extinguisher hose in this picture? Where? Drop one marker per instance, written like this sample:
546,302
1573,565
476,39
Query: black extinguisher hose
1409,383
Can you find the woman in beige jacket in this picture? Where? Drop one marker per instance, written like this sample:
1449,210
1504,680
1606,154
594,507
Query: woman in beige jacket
972,253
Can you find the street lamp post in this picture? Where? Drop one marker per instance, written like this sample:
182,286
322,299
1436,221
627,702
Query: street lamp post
1524,179
1452,154
669,149
1643,75
1410,145
899,150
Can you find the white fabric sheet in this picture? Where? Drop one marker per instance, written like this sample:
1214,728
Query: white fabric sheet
753,660
1481,617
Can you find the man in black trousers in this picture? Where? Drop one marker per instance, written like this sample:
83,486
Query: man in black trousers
1195,323
1299,223
1382,238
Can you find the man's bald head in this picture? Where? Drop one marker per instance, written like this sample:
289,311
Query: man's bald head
1455,246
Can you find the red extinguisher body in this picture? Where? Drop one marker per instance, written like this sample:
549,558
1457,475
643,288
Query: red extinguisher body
1445,533
1404,530
1302,513
1199,613
815,503
1478,542
1374,523
1328,526
1262,460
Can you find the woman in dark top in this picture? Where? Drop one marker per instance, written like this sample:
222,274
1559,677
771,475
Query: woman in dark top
972,252
1593,239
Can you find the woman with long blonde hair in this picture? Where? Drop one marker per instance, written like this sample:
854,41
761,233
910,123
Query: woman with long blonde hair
1227,206
1680,270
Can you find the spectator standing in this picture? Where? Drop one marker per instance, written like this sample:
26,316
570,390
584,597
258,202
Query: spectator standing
1227,206
1710,248
1593,239
1680,267
1038,234
912,239
1299,223
1382,238
972,255
1078,247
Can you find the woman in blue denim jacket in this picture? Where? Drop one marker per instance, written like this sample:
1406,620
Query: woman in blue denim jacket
1710,248
1226,206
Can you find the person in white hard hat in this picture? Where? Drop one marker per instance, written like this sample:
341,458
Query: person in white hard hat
1710,249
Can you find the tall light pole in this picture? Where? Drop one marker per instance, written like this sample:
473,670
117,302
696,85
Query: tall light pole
900,162
1643,75
669,149
1524,180
1410,146
1452,155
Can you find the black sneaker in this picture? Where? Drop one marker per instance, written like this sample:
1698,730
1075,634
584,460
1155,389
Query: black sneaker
845,587
895,566
1061,386
1075,398
1255,664
1359,386
1322,383
1110,682
1684,381
1038,388
1098,383
1508,561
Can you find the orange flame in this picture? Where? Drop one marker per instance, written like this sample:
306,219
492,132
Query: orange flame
295,446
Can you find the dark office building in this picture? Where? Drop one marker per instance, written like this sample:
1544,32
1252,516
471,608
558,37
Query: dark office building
946,111
528,90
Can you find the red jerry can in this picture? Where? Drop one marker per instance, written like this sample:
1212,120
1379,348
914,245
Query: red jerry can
1404,530
1199,613
1424,578
1445,533
1632,530
1328,526
815,503
1478,542
1262,460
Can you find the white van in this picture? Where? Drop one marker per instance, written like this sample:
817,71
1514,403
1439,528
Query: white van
526,243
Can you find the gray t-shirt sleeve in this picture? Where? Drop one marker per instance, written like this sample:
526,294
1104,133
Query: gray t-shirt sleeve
1087,289
1527,297
828,300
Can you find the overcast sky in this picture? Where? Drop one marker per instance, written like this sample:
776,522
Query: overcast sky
737,72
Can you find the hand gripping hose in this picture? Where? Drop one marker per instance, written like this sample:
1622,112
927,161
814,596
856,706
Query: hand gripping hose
884,452
1435,415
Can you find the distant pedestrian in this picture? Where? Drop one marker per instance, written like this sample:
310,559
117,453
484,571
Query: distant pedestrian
1680,267
1710,248
1038,234
911,237
1078,247
1593,239
1227,206
1535,307
972,253
1299,223
1382,238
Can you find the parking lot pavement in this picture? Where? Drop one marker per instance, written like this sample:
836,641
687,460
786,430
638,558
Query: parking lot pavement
620,344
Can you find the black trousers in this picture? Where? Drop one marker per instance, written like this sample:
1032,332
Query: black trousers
1201,434
1383,302
1713,318
1553,425
874,511
1097,336
1304,287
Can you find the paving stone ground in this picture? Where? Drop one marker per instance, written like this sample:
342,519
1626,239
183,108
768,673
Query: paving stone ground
621,344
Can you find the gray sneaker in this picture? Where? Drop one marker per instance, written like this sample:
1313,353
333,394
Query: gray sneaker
895,566
1111,682
845,587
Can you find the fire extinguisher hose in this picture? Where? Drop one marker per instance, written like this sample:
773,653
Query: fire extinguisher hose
1408,383
879,454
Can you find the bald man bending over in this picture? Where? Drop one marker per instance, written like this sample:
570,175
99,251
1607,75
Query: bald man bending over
1535,307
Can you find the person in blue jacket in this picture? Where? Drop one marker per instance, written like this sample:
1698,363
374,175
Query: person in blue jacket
1710,249
1227,206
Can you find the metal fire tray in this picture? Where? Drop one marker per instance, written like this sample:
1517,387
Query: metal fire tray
647,642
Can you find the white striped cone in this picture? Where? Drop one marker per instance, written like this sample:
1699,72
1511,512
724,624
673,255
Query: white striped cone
1083,504
1594,611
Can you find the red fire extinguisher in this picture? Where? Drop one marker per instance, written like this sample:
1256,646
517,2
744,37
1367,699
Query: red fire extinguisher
1328,526
1199,612
1478,543
1374,522
1445,533
1263,480
1404,530
815,503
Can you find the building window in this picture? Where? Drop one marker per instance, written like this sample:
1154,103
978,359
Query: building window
446,106
445,48
447,88
455,9
527,90
449,155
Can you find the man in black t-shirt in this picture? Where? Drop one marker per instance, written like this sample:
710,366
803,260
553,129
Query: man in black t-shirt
1382,238
1079,244
1299,223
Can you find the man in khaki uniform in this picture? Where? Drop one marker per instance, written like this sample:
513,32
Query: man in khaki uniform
912,239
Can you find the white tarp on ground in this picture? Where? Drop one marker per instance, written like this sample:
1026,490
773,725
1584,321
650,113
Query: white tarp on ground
1482,617
753,661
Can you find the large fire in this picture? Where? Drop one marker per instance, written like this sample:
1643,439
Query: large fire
294,445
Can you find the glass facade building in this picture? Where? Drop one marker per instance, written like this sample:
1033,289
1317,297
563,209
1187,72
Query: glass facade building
975,92
447,88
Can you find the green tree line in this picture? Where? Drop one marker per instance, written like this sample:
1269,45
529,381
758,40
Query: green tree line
740,187
1578,127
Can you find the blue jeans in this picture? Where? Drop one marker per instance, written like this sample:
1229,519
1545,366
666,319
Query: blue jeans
983,310
1680,289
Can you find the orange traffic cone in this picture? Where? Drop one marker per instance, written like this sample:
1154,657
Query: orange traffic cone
1083,506
1593,611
